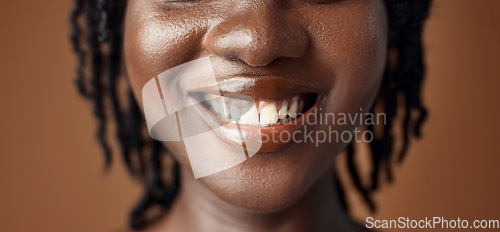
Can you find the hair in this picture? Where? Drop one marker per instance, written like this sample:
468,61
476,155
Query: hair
97,36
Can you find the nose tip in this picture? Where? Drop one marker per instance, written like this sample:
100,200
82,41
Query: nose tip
257,40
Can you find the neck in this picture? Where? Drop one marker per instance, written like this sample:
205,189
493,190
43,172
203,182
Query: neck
199,209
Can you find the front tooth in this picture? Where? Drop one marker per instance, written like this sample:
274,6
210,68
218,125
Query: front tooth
251,116
292,111
283,111
235,113
226,115
300,108
268,114
214,103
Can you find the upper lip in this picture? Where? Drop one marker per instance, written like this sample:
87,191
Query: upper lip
271,82
258,87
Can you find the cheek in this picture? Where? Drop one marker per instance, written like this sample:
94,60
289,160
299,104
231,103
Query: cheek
354,42
155,41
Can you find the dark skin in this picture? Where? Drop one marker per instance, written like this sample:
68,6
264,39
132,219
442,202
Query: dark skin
337,47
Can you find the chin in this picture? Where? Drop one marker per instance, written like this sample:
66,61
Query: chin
269,183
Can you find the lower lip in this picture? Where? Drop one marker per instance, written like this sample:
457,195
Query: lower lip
279,137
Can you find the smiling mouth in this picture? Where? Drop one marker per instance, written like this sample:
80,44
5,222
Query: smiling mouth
252,110
245,110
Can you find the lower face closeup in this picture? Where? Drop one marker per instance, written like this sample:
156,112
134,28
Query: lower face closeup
276,63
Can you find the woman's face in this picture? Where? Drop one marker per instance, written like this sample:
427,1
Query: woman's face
329,54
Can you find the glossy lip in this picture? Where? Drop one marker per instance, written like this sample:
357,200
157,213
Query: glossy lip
259,88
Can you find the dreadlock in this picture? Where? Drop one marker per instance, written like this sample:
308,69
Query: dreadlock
101,45
96,37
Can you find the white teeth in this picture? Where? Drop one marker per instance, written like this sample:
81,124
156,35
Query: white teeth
301,106
262,113
225,114
268,114
216,106
292,111
251,116
283,111
235,113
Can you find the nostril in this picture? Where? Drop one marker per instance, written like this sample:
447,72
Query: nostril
233,58
248,61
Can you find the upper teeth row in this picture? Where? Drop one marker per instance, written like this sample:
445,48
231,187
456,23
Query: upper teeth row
247,112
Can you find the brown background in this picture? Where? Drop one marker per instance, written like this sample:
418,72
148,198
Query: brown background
51,169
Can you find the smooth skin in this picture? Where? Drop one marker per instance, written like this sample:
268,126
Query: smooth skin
338,45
